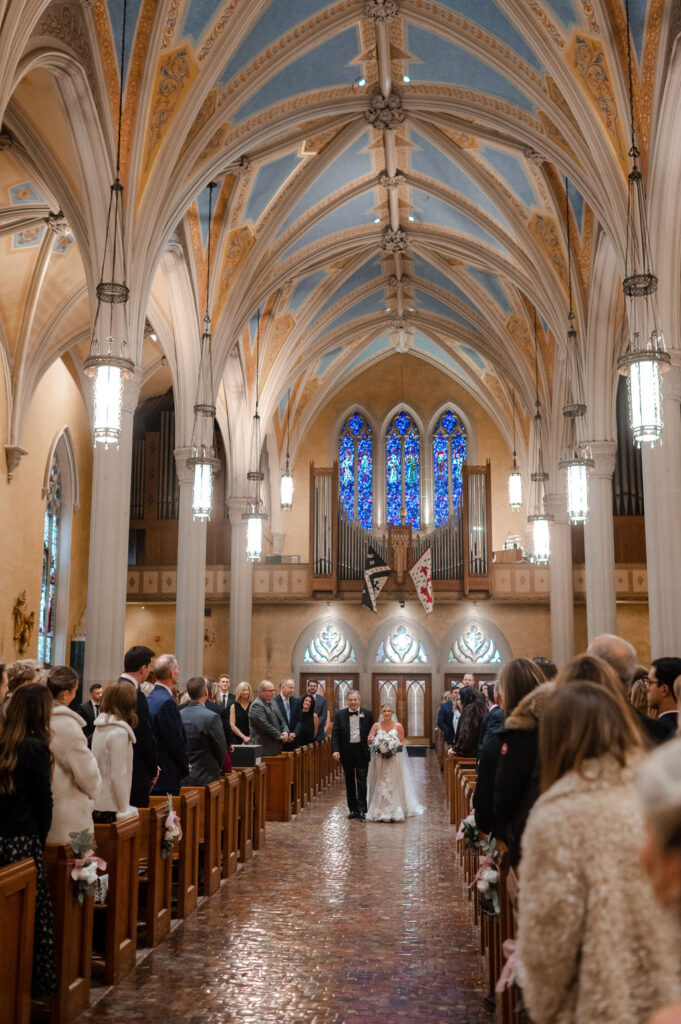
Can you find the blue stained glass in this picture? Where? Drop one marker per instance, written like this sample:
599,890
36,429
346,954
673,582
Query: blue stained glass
449,455
355,461
403,476
48,587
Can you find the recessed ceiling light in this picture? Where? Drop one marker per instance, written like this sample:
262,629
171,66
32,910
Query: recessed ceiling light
411,217
387,309
406,78
377,220
361,82
410,309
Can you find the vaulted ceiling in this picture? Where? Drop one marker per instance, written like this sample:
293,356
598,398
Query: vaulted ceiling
391,176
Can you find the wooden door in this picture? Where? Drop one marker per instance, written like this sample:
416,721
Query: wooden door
412,698
457,677
334,686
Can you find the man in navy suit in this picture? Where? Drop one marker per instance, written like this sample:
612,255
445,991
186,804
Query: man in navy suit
350,745
137,664
168,728
288,708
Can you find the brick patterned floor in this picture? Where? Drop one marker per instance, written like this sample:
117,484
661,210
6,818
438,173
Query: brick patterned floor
297,937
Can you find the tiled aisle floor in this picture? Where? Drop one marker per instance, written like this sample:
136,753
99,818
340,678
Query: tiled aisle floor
335,922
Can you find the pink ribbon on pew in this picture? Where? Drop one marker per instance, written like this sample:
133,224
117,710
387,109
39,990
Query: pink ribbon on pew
483,864
508,973
81,862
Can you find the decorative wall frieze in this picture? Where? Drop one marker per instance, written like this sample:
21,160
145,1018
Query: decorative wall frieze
394,240
391,181
381,10
385,112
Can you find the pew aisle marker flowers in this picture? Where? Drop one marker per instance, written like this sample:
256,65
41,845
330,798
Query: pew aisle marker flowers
172,830
87,865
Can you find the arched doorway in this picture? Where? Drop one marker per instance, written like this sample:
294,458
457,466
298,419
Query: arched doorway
402,674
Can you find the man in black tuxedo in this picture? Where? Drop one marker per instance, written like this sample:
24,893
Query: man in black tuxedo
137,664
89,711
226,698
350,746
288,708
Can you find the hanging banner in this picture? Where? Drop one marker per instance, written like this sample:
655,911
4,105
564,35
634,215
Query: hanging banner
420,574
376,573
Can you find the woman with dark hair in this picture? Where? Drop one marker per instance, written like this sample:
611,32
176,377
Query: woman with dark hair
473,715
592,943
76,776
308,721
26,812
516,679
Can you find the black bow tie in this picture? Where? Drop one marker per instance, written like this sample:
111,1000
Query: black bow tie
354,712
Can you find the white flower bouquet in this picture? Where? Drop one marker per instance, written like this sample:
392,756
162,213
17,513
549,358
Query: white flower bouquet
386,744
172,830
86,868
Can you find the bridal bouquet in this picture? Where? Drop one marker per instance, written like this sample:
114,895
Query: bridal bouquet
386,745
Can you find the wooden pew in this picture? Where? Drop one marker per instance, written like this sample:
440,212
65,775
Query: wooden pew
279,783
297,793
308,780
246,790
185,854
117,844
73,922
210,814
156,884
17,913
230,824
259,806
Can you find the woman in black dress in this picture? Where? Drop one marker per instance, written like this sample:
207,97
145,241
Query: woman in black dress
26,812
308,722
238,713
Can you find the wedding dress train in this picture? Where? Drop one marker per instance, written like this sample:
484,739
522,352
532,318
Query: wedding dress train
392,795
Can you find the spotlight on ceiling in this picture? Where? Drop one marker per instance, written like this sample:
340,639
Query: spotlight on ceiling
411,217
377,220
406,78
361,82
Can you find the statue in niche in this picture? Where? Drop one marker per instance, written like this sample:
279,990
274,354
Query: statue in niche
24,623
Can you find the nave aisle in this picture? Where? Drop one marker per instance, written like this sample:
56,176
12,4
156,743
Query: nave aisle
296,936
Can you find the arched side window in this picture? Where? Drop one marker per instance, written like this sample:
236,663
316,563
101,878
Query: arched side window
449,454
329,647
402,471
355,460
48,586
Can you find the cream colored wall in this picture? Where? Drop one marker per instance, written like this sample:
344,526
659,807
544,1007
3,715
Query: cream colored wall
56,403
425,389
154,626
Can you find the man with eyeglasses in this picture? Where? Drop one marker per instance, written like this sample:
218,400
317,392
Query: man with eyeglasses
663,673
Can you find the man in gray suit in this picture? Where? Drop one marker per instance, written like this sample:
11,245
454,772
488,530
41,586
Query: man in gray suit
206,745
267,727
321,709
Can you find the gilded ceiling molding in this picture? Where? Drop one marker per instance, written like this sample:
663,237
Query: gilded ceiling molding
385,113
381,10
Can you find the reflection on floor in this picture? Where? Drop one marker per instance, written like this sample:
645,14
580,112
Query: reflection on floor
335,922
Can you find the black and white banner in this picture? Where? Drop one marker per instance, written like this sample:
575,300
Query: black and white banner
376,572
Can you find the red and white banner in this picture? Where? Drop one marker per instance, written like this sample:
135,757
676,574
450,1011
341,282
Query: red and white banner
420,574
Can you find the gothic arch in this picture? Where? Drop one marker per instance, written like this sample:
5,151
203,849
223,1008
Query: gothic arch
478,635
62,451
356,663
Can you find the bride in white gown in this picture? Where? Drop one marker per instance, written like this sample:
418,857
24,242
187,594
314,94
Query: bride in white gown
392,795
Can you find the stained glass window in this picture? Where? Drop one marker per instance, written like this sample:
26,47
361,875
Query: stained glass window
48,588
449,455
402,472
356,459
329,646
474,647
401,647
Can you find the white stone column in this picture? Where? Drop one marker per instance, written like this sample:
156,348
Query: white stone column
562,602
599,543
191,575
108,560
240,597
662,496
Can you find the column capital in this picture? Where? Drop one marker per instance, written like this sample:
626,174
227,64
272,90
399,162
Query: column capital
236,508
131,391
185,473
671,378
603,454
556,505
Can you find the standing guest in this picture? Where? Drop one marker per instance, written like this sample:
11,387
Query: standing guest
213,704
456,716
495,715
592,943
308,722
445,718
112,745
26,813
4,688
549,668
287,705
350,745
206,744
661,677
137,665
516,680
639,695
21,672
226,698
90,709
238,713
168,729
621,656
265,724
321,708
473,716
469,680
76,777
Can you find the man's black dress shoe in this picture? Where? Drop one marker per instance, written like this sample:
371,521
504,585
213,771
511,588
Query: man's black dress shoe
362,816
353,814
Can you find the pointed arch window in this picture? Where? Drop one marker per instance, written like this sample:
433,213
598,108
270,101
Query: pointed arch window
449,454
48,587
402,471
355,464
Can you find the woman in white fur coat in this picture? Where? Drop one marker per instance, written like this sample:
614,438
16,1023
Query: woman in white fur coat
76,777
112,743
593,944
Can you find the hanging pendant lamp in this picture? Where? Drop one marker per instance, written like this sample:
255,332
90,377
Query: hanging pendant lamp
515,480
575,455
108,362
538,516
202,456
286,488
646,357
255,514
